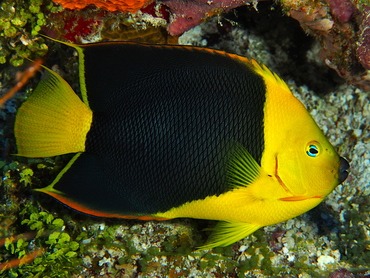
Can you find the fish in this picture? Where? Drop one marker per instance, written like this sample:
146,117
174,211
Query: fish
163,132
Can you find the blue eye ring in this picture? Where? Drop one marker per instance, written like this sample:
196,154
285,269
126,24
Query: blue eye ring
313,149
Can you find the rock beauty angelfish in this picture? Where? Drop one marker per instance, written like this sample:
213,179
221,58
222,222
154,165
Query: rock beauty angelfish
176,131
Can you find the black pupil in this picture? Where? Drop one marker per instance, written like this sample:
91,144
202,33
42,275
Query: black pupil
313,151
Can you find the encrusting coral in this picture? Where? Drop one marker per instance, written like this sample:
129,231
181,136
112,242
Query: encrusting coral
184,14
363,45
188,14
341,26
111,5
343,29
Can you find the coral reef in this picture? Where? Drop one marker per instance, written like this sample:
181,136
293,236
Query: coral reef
343,10
341,273
363,45
126,32
184,15
75,26
342,27
89,25
110,5
188,14
78,27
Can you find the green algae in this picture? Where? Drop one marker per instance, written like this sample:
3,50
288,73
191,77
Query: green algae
20,23
60,256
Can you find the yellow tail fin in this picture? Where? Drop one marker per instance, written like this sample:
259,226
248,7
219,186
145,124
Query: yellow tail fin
53,121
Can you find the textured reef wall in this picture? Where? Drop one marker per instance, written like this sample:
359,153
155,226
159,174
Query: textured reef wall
341,26
43,238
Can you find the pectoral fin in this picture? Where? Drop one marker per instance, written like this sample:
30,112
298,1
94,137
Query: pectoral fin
242,169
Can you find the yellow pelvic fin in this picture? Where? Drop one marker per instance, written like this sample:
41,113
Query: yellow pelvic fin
227,233
53,120
242,168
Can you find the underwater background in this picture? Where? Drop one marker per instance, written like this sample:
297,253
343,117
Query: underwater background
319,48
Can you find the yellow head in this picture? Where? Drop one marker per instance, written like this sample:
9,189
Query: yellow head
296,151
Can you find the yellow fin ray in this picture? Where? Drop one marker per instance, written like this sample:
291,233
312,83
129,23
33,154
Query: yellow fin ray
81,68
229,232
53,121
242,169
269,75
50,188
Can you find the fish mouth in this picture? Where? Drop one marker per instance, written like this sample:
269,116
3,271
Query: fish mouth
343,174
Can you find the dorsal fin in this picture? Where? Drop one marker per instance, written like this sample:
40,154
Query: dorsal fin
268,74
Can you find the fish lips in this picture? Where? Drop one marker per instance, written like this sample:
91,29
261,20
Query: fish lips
343,174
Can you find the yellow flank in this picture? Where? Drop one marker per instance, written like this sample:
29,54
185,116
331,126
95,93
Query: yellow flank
299,167
52,121
256,203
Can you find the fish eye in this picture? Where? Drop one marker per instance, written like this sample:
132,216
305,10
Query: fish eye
313,149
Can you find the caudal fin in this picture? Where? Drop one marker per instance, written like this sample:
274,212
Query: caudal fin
52,121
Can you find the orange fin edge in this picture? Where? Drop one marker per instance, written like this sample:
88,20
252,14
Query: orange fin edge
298,198
81,208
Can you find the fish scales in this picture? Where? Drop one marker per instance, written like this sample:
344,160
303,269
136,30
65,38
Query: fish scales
165,144
171,131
